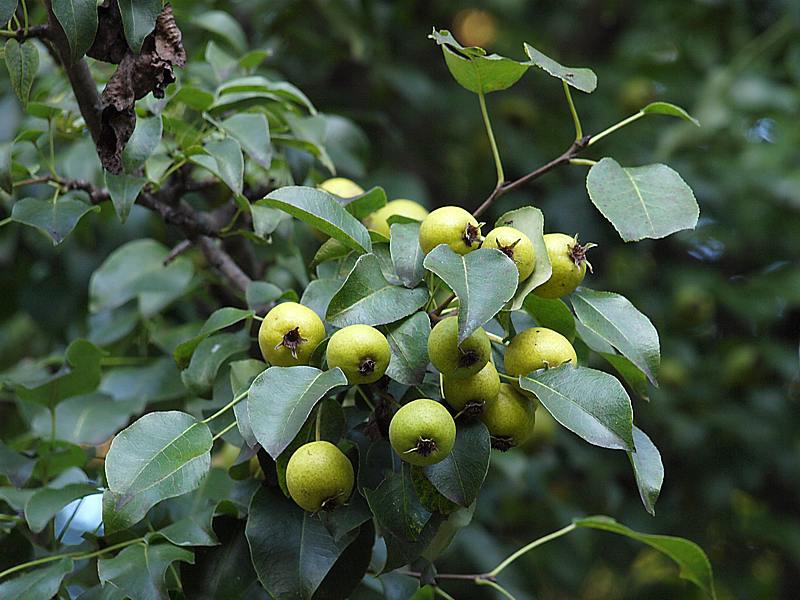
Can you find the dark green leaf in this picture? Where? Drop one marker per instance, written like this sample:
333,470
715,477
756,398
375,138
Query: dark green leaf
276,419
7,9
243,372
530,221
590,403
633,376
223,158
614,319
135,387
672,110
693,562
322,211
124,189
136,270
138,20
407,254
139,570
647,468
346,518
225,26
331,249
78,20
251,130
162,455
209,356
350,568
365,204
474,69
80,374
45,503
87,420
317,296
22,61
367,297
459,477
144,140
38,584
194,97
408,341
642,202
194,529
553,314
219,319
260,293
291,550
15,466
484,280
56,218
580,78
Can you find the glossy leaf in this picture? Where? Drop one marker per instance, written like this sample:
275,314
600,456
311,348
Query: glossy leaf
553,314
243,372
139,570
367,297
291,550
135,387
530,221
194,529
407,254
208,358
90,419
630,373
474,69
642,202
693,562
37,584
45,503
222,24
144,140
484,280
7,9
321,210
459,477
614,319
17,467
221,318
365,204
590,403
123,189
138,20
78,20
580,78
22,61
408,341
647,469
251,130
55,219
276,419
672,110
223,158
162,455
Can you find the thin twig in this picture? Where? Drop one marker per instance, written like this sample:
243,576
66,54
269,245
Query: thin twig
179,249
222,261
436,313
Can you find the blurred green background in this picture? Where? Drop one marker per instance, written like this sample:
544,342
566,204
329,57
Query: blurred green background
725,297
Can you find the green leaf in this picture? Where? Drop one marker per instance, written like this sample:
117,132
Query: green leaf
266,219
614,319
365,204
484,280
647,469
220,319
317,296
633,375
243,372
590,403
331,249
321,210
408,341
193,530
251,130
84,420
672,110
693,562
15,466
580,78
347,517
162,455
45,503
407,254
553,314
139,570
223,158
135,387
459,477
144,140
530,221
367,297
7,10
54,219
78,19
275,90
136,270
642,202
291,550
194,97
225,26
208,358
138,20
38,584
22,61
260,293
474,69
124,189
276,418
80,374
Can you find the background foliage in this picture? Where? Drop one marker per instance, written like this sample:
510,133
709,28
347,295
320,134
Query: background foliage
724,297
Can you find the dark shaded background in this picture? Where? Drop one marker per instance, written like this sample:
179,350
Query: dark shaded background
725,297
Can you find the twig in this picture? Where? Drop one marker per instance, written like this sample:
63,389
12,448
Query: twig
179,249
222,261
37,31
436,313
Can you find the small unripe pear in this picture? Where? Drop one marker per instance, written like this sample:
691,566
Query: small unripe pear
289,334
456,360
422,432
319,476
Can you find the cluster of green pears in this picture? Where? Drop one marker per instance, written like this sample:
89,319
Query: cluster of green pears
422,432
